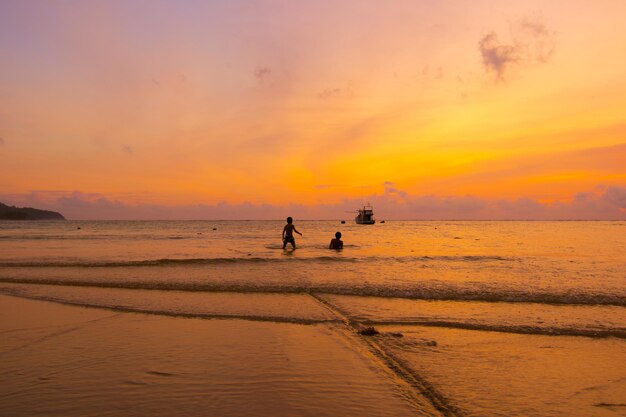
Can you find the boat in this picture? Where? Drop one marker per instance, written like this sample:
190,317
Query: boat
365,216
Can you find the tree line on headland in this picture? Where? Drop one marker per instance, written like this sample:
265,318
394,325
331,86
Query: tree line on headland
27,213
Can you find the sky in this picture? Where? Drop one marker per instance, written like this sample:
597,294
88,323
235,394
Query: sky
467,109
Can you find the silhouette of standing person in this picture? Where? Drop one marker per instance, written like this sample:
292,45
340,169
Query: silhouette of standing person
288,233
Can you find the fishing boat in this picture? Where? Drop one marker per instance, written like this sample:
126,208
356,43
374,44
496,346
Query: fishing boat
365,216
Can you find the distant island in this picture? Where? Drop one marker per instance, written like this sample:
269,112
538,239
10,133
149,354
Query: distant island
27,213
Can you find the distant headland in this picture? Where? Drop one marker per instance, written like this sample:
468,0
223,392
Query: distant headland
27,213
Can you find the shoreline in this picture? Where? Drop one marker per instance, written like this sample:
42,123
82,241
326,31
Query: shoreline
406,369
300,369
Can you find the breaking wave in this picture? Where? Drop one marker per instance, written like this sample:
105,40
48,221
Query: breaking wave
420,290
248,260
456,324
549,331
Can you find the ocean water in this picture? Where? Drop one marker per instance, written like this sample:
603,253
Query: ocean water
581,263
535,298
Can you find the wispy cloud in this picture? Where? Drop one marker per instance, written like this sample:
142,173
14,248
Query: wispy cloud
262,72
330,93
530,42
540,42
390,189
437,73
336,92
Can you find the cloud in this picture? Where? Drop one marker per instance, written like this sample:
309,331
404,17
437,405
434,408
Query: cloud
359,131
390,189
330,93
530,42
607,205
540,41
392,203
336,92
497,57
262,72
616,196
81,201
436,74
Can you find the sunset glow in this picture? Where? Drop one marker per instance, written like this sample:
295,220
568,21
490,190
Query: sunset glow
233,109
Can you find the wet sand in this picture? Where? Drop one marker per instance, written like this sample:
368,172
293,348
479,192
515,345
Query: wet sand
59,360
124,352
504,374
290,308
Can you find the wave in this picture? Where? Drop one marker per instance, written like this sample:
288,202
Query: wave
171,261
549,331
97,237
418,291
517,329
169,313
247,260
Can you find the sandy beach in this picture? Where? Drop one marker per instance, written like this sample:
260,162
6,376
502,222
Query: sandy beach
61,360
257,355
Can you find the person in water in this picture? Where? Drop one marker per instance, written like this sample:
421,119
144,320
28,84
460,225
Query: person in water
288,233
336,243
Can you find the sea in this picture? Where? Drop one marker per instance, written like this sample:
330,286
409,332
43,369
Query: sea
505,303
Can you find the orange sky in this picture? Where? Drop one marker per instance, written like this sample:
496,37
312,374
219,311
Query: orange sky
174,104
